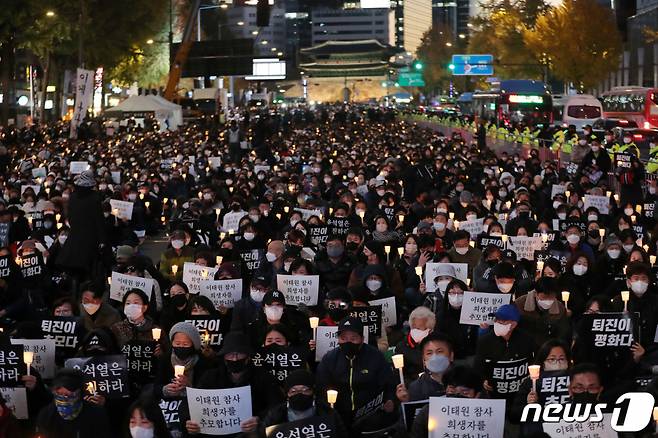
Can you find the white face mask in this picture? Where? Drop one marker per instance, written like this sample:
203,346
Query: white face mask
501,329
628,248
613,253
91,308
579,270
627,140
592,218
373,285
177,244
141,432
270,256
558,366
652,190
505,287
418,335
573,239
381,228
274,313
256,295
461,250
249,236
628,211
441,210
62,239
439,226
545,304
456,300
410,248
254,218
639,287
132,311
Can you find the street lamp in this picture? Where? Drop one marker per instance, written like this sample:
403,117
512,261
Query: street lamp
240,23
50,14
149,41
448,44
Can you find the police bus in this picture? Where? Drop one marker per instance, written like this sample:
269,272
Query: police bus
639,104
517,100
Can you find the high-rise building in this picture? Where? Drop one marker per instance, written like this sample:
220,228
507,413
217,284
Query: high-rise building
454,15
412,19
353,24
268,41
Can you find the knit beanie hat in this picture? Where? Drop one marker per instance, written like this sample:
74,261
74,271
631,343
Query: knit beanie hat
187,329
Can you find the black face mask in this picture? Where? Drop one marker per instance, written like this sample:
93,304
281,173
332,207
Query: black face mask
492,262
585,397
594,234
349,349
351,246
235,366
179,300
300,402
183,353
337,314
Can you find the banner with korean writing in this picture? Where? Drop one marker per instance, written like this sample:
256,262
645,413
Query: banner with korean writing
473,227
484,241
338,225
610,330
31,266
194,274
364,411
210,329
4,234
318,234
12,366
5,267
505,376
231,220
16,400
251,258
84,88
122,283
601,203
279,361
312,427
169,408
389,310
371,317
299,289
547,238
466,417
35,219
557,189
122,209
432,269
222,293
326,339
477,306
623,161
307,213
44,355
525,246
553,387
107,374
77,167
219,411
66,331
140,359
585,429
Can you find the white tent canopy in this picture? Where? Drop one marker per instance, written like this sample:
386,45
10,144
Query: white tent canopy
168,114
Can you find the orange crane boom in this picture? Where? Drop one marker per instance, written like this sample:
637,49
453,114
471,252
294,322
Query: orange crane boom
180,59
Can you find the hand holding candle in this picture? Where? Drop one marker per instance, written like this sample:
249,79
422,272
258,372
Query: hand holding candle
398,363
314,321
534,375
156,332
332,396
174,269
179,370
28,358
625,296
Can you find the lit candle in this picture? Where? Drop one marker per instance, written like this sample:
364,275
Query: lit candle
652,259
218,259
472,243
163,219
565,298
387,249
156,332
534,375
165,200
601,232
286,209
398,363
608,193
419,272
504,238
204,274
179,370
217,211
468,282
544,237
332,396
362,214
616,197
401,218
451,215
540,266
314,321
567,194
109,281
58,217
278,216
147,204
400,251
91,388
174,269
625,296
456,225
28,358
638,208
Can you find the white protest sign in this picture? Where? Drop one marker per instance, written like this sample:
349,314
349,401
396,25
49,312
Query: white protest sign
84,88
432,270
306,213
465,417
231,220
557,189
122,283
525,246
219,411
389,311
222,292
214,162
261,168
602,203
194,274
116,177
44,355
16,400
473,227
299,289
326,339
39,172
477,306
35,187
122,209
586,429
77,167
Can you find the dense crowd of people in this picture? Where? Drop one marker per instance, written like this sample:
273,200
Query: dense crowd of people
380,210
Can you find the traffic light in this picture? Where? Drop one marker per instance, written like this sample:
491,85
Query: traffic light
451,67
417,65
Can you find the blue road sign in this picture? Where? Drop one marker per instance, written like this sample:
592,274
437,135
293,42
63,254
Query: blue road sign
472,65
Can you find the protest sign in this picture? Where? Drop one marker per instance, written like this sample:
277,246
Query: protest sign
560,256
410,410
210,329
525,246
299,289
306,213
389,310
35,219
585,429
169,408
553,387
77,167
465,417
572,222
116,177
214,162
371,317
194,274
473,227
108,374
16,400
610,330
477,306
122,209
505,376
31,266
219,411
252,258
484,241
44,355
431,271
623,161
231,221
368,408
318,234
547,238
557,189
140,359
648,209
222,293
5,268
65,331
4,234
338,225
122,283
279,361
11,365
315,427
326,339
261,168
601,203
39,172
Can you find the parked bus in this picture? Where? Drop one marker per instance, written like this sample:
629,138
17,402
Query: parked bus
639,104
578,110
517,100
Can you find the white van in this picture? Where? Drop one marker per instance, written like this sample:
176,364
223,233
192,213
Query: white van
581,110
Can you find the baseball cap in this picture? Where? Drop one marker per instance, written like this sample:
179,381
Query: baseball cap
352,324
507,312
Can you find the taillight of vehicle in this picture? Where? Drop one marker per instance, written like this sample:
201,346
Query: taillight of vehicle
638,136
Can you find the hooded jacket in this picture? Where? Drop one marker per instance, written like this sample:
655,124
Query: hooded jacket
541,324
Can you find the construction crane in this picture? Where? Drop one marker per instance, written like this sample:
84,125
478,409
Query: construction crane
176,69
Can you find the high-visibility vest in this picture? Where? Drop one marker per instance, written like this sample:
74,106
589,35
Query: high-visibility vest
652,165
